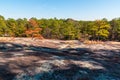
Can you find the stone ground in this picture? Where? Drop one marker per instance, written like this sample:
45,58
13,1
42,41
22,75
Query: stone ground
33,59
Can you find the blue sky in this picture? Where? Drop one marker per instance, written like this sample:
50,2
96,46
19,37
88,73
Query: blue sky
76,9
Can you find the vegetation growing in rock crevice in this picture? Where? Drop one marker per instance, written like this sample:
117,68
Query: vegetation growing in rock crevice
61,28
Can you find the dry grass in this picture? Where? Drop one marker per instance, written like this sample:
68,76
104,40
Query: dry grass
6,39
93,42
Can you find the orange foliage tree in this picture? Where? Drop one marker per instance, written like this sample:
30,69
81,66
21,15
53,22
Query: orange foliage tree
33,30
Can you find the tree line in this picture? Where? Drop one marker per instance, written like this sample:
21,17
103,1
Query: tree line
66,29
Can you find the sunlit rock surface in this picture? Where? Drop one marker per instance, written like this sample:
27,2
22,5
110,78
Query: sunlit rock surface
32,59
